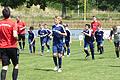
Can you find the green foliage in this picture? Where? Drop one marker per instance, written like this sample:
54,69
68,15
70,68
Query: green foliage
12,3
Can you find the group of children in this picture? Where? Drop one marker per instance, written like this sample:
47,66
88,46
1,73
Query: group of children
90,37
61,40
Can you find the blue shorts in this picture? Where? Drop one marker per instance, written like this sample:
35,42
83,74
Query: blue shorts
33,44
100,43
48,40
90,44
43,40
67,44
58,48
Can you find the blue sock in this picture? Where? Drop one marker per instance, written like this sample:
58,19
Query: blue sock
30,48
60,61
42,49
92,52
68,51
55,60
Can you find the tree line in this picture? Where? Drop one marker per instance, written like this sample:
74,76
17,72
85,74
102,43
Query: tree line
104,5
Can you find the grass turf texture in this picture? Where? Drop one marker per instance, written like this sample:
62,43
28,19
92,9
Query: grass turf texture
75,67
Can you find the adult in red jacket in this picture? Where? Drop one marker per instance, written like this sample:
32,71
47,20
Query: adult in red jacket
8,44
21,33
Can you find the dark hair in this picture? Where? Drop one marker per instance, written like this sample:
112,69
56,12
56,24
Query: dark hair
6,12
114,28
88,25
31,28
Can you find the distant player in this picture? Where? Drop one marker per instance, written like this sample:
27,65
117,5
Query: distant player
8,44
116,32
99,39
88,41
95,24
43,37
67,40
58,32
21,33
49,34
31,39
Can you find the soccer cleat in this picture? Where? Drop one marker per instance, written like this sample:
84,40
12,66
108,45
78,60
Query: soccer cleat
87,56
56,68
59,70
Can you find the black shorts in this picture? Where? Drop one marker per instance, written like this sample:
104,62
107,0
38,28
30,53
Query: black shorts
21,37
8,54
117,44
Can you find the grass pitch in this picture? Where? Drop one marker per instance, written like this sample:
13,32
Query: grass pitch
75,67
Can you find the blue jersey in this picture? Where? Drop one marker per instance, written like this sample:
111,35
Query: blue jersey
42,33
31,35
88,38
99,35
57,38
67,38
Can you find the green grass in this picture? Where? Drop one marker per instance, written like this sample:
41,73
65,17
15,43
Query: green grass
75,67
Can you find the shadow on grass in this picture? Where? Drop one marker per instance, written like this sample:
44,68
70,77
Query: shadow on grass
79,59
43,69
113,66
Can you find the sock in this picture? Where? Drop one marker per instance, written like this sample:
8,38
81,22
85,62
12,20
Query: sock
20,45
42,49
98,49
30,48
15,74
55,60
48,46
101,51
68,51
92,53
117,54
33,49
86,51
60,61
3,74
23,45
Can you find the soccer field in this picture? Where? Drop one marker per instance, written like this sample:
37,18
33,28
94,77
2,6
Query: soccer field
75,67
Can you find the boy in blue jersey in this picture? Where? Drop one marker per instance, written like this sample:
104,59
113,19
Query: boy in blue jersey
31,39
43,37
48,37
99,39
88,41
58,32
67,40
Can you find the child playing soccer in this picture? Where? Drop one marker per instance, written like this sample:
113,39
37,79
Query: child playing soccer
58,32
99,39
67,40
88,41
31,39
43,37
116,32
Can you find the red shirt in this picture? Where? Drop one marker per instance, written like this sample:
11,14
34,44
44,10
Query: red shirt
94,25
21,27
7,40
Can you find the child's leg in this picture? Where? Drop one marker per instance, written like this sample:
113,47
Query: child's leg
34,47
92,50
117,48
86,49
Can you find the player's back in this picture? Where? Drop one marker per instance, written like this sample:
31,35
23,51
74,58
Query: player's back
6,34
